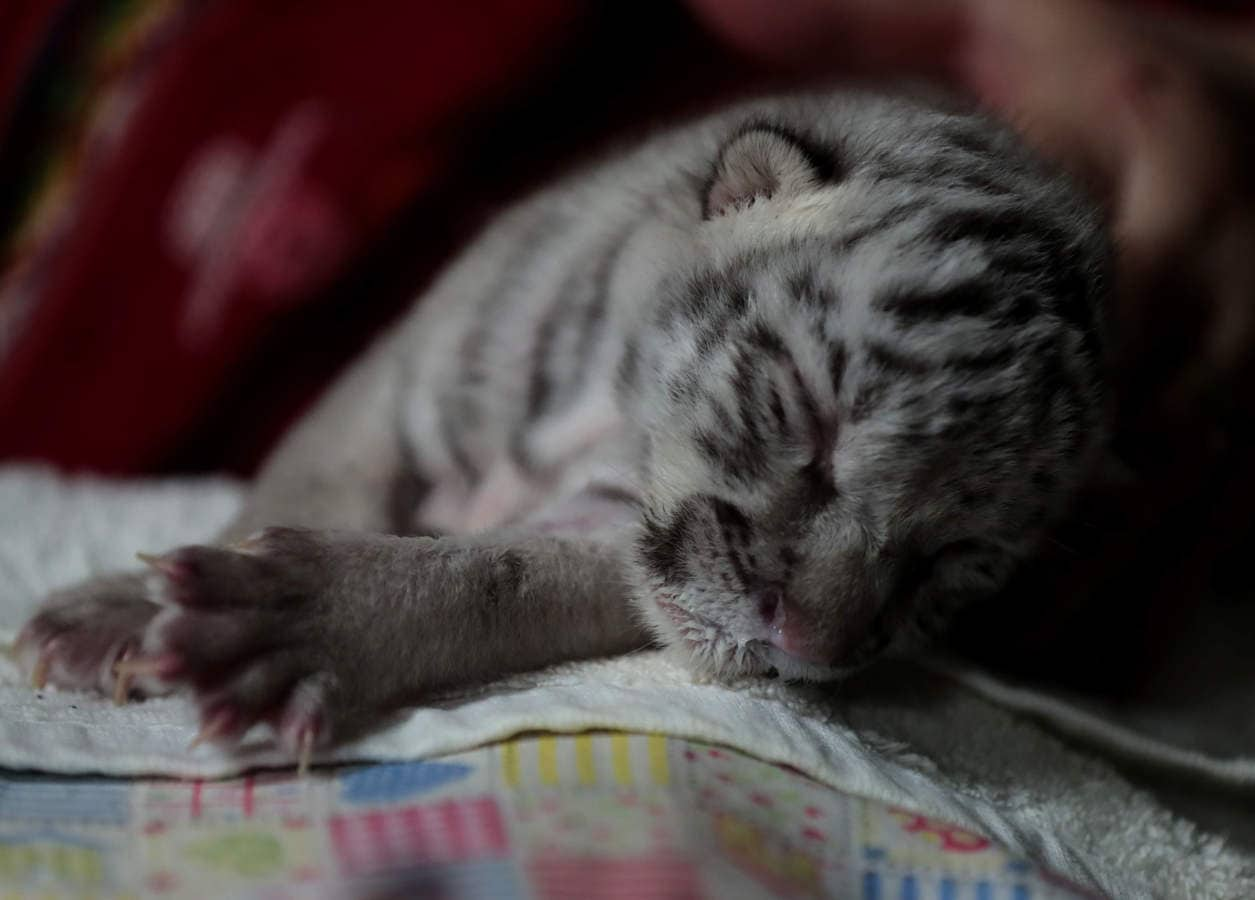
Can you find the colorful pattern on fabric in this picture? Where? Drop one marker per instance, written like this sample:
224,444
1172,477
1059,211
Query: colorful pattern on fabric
605,815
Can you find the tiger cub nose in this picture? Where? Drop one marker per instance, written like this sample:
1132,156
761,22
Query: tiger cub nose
789,629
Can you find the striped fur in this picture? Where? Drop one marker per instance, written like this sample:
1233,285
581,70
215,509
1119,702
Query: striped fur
841,354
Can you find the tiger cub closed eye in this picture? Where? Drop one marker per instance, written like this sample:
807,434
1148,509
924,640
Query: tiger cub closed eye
781,390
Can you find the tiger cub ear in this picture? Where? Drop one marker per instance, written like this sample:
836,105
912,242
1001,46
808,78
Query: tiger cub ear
762,161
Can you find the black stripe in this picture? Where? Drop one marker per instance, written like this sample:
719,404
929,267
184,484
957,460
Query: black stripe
731,519
810,408
968,298
742,569
628,370
539,382
708,295
867,399
744,460
889,219
943,173
683,387
709,445
734,530
750,430
993,358
711,336
579,289
529,248
891,360
778,411
737,453
661,546
997,225
790,559
1057,282
977,407
726,421
819,488
805,287
595,310
745,375
762,337
745,382
696,297
737,299
837,361
459,413
987,184
972,141
1020,311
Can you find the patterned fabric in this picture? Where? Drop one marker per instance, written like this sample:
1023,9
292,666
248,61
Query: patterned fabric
586,816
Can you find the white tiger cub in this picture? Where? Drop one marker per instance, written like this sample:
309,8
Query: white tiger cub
780,389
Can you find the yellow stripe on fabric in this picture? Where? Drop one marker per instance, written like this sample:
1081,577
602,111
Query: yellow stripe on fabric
510,763
657,744
547,759
585,767
620,761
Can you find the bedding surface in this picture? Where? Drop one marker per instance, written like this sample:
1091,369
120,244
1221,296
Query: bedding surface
590,816
943,745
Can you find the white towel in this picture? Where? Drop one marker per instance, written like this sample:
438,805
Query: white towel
904,735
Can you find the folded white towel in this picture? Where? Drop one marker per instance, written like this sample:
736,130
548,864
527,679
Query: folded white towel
904,735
